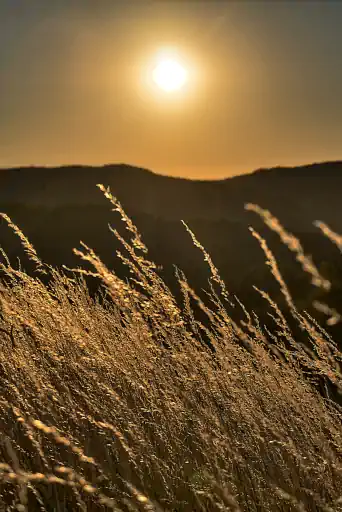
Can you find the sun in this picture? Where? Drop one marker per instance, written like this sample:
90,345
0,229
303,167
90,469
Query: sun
170,75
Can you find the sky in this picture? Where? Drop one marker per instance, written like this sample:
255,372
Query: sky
264,84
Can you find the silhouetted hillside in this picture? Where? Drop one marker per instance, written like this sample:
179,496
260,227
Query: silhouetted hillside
58,207
299,194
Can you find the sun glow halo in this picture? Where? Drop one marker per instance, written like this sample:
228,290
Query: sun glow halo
169,75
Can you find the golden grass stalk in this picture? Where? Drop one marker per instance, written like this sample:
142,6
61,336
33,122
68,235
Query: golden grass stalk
334,237
272,263
215,276
293,244
99,414
28,247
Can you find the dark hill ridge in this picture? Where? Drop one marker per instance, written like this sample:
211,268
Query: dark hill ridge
58,207
297,194
314,169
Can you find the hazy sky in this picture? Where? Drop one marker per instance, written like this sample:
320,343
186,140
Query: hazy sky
265,84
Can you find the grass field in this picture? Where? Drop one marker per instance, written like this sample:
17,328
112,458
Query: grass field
119,403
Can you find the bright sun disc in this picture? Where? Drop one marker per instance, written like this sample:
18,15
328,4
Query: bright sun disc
169,75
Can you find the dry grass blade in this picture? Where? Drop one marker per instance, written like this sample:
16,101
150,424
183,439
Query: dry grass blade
334,237
128,402
293,244
28,247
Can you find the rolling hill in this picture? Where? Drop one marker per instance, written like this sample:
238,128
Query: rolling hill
58,207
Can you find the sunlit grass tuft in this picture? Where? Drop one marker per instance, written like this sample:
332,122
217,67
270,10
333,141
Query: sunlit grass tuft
131,403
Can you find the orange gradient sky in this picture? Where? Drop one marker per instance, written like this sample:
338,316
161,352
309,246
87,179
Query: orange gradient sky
264,84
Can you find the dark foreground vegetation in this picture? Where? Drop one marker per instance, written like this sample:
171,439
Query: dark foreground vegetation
128,402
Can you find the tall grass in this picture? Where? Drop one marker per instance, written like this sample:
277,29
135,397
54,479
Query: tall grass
120,403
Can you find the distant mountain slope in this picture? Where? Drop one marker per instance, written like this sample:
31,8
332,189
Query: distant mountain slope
298,195
58,207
